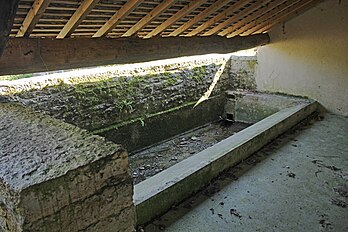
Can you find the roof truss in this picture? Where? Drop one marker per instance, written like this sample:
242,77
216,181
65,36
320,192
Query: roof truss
145,18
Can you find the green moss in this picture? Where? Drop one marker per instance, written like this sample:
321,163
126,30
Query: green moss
199,73
169,79
252,64
15,77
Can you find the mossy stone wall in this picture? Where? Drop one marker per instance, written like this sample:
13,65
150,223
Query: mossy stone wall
94,103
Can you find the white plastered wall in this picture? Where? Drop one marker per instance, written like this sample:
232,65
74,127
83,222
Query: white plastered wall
308,56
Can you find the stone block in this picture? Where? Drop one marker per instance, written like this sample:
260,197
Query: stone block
57,177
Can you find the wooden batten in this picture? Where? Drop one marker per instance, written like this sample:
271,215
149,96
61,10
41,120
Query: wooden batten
251,17
225,13
83,10
184,11
33,16
116,18
149,17
208,11
26,55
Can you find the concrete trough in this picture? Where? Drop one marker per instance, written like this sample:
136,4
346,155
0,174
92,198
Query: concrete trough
51,171
157,194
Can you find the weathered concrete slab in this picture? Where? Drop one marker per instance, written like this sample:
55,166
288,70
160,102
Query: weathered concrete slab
159,193
57,177
299,182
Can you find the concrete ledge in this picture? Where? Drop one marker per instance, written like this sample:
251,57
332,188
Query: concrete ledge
157,194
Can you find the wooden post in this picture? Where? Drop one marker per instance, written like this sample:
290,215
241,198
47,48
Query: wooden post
8,10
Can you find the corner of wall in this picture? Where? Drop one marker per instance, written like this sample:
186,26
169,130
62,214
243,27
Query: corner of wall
307,57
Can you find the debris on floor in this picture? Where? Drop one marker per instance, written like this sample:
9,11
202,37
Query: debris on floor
235,213
154,159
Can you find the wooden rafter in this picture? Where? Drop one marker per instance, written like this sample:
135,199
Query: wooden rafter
81,12
275,19
33,16
213,8
125,10
181,13
218,17
149,17
252,17
289,15
246,11
262,18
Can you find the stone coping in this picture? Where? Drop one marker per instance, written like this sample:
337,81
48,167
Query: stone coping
36,148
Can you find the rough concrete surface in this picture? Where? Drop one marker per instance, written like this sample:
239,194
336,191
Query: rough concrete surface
299,182
57,177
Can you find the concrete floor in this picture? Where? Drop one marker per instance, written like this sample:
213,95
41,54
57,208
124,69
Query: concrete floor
299,182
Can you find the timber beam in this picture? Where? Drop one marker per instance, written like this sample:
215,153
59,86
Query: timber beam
8,10
26,55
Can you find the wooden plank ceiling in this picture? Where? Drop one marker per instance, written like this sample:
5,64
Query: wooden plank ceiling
147,18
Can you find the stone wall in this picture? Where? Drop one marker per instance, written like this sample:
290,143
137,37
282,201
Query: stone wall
100,100
241,72
57,177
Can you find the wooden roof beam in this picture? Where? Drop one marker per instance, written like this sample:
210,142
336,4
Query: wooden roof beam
81,12
181,13
218,17
122,13
277,18
252,17
33,16
149,17
8,10
27,55
213,8
246,11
